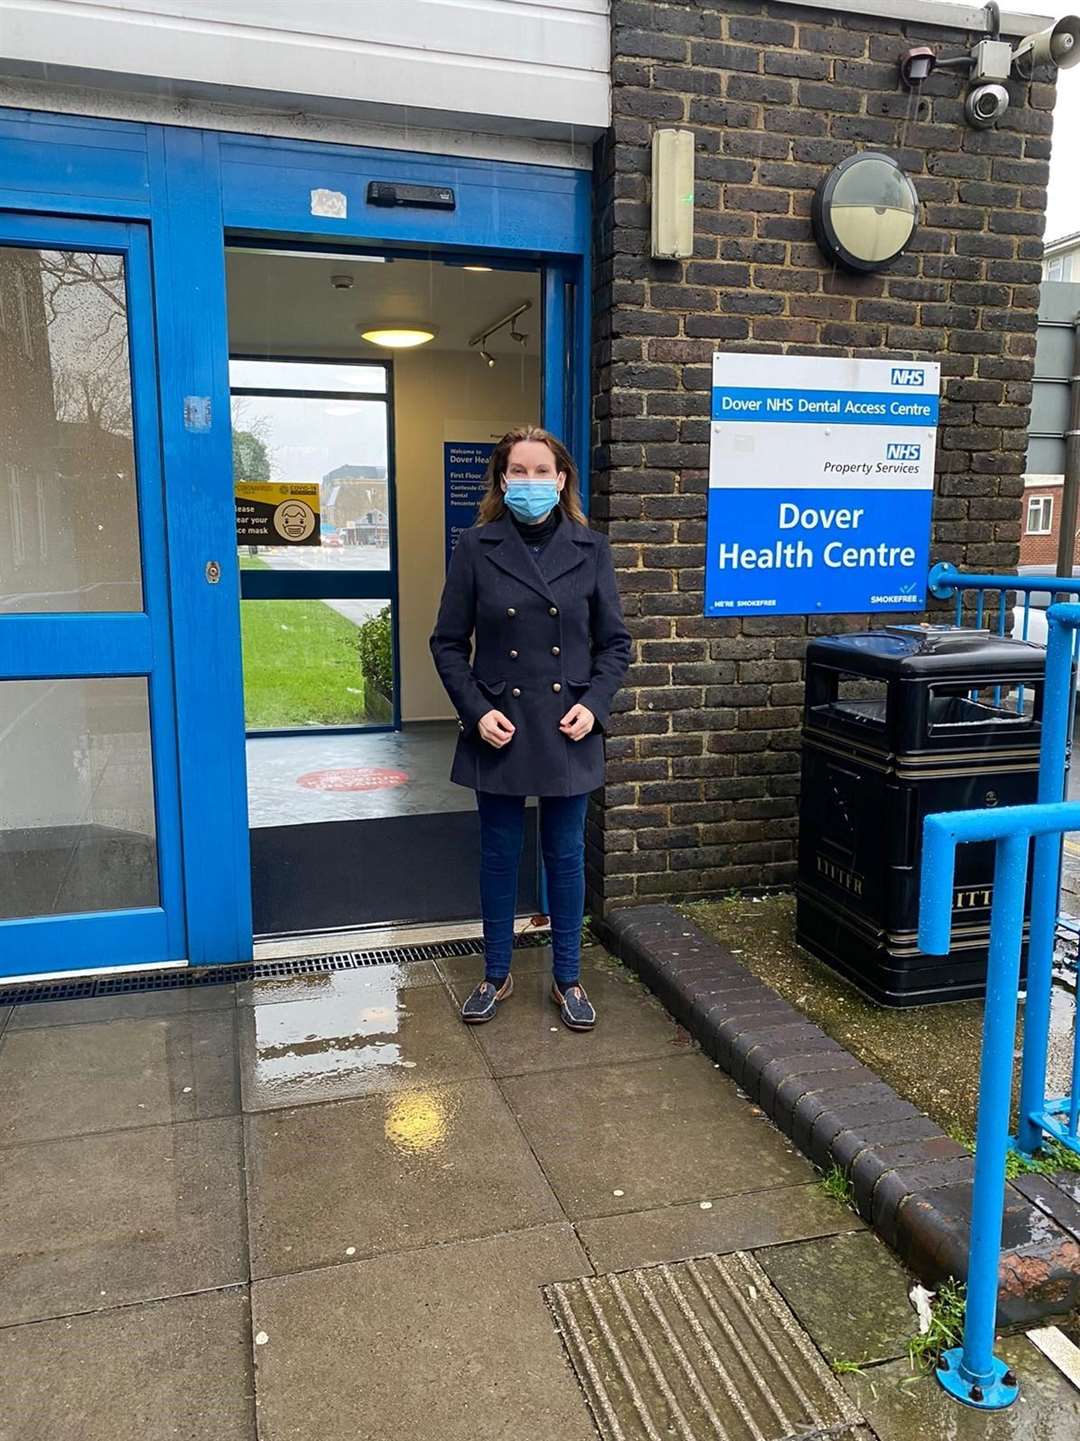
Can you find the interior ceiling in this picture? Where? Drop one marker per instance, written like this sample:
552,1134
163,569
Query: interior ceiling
287,305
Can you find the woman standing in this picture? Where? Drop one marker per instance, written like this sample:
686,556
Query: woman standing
531,646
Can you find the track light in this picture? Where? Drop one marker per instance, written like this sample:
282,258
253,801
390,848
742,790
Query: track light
482,337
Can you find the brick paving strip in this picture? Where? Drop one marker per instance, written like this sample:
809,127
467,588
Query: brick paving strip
911,1182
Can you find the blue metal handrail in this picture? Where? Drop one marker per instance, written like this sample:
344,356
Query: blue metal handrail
971,1373
948,583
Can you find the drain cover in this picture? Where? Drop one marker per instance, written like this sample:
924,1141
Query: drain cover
704,1350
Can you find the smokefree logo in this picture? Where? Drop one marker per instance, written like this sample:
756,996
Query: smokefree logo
903,450
906,375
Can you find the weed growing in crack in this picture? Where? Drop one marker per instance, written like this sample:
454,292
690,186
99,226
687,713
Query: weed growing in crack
946,1326
835,1183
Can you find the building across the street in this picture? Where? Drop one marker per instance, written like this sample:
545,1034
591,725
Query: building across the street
270,292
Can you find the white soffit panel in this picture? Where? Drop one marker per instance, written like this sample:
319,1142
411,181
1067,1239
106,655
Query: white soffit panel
535,67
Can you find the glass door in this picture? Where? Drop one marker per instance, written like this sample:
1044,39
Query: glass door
90,857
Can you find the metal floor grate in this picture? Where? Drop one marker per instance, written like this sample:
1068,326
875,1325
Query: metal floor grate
74,989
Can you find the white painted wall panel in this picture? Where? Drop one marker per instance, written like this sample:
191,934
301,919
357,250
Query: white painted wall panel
526,65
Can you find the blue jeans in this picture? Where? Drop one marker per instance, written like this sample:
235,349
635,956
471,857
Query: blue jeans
562,844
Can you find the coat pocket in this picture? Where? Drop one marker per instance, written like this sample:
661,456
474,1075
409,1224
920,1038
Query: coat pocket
491,688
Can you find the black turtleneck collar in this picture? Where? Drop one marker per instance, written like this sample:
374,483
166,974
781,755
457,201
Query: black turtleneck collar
537,536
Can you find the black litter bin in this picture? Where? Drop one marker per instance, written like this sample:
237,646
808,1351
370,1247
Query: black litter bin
901,723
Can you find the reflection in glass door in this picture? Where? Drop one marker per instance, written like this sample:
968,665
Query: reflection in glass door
90,867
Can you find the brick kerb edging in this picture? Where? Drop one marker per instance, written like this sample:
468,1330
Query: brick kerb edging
911,1182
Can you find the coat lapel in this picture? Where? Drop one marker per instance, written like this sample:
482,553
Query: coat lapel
565,549
506,549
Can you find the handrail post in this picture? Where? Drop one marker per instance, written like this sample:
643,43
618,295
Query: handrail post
1046,880
971,1372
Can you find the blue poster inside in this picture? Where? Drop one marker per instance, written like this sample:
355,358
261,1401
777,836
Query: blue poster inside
464,469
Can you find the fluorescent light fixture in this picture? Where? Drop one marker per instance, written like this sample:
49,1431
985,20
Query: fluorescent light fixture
398,337
350,255
478,269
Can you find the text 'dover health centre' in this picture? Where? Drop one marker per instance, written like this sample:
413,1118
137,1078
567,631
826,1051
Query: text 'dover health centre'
820,485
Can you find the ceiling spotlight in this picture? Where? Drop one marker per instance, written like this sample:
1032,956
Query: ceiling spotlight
488,359
341,282
398,337
518,335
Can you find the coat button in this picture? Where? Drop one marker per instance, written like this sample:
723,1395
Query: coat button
513,655
511,612
554,610
461,725
515,692
556,686
554,650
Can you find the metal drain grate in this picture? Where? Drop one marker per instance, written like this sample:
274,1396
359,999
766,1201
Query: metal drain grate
32,993
702,1350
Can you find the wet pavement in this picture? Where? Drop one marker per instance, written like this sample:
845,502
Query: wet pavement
321,1208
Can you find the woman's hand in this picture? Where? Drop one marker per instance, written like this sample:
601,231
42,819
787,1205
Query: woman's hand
577,722
495,729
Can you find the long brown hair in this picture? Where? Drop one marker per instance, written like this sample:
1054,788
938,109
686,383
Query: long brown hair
493,506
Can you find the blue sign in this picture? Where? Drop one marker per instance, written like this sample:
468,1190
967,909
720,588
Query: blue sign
464,471
821,475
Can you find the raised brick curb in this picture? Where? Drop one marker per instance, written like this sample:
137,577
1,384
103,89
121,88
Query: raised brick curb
911,1182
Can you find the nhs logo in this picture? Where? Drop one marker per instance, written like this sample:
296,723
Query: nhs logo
901,450
905,375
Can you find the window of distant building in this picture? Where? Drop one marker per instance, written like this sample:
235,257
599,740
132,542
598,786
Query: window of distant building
1055,268
1040,514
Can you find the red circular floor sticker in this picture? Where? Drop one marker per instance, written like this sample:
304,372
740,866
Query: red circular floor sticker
353,778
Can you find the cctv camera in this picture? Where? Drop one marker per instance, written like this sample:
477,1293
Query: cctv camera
985,105
1057,45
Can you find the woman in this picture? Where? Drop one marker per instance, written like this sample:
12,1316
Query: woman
536,588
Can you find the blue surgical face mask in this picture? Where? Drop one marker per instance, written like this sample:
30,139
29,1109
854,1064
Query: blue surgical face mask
530,500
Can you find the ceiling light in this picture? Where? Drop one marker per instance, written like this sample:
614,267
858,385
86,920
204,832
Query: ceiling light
398,337
490,359
478,269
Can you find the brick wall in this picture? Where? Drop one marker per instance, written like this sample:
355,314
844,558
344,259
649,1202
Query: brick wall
703,756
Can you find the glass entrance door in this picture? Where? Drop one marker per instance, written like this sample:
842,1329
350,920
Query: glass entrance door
90,861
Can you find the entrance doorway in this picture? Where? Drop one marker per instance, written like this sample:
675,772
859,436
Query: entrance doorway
384,440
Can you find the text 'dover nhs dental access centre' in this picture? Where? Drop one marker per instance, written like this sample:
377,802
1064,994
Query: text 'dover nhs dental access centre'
821,475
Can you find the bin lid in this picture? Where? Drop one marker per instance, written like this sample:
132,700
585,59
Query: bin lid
913,651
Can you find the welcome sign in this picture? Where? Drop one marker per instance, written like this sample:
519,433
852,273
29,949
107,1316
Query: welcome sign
821,477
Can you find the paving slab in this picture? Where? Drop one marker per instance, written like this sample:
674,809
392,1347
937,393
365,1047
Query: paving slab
77,1080
407,1169
849,1292
462,973
649,1133
901,1406
364,985
527,1034
730,1223
93,1222
329,1048
126,1005
156,1372
701,1349
454,1343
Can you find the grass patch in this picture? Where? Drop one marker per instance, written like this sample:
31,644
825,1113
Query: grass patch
946,1326
1047,1161
847,1368
835,1183
301,665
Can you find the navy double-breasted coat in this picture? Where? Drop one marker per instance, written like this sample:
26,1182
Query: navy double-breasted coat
530,636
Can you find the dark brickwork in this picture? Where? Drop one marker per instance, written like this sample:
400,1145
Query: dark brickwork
703,754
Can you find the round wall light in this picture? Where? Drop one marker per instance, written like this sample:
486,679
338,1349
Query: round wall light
398,337
865,212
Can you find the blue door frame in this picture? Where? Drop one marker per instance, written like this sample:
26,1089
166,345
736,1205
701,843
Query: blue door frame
192,188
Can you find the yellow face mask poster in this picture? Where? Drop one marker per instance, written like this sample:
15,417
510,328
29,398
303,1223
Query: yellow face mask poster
277,512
